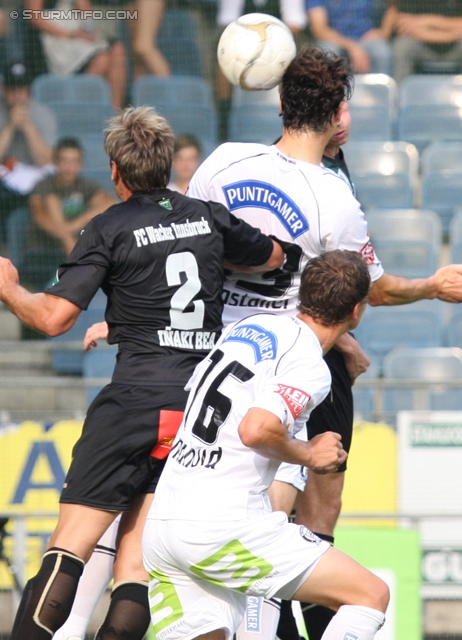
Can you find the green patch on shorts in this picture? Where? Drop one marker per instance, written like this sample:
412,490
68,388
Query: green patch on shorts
235,558
164,602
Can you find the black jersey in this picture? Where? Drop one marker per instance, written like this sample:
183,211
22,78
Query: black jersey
159,259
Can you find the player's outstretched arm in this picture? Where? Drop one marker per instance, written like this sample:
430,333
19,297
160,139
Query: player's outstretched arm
262,431
41,311
96,332
445,284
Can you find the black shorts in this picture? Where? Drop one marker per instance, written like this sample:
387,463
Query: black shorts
335,413
126,438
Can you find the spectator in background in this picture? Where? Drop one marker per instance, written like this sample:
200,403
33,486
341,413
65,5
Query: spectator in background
291,12
426,32
148,58
74,46
186,158
28,131
349,28
61,206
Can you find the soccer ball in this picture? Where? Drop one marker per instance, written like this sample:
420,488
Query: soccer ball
255,50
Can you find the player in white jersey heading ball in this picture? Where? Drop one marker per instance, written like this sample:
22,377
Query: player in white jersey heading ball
211,538
284,190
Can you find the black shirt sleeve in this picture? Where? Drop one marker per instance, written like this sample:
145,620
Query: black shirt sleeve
83,272
243,243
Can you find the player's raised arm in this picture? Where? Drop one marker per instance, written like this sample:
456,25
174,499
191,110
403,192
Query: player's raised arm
42,312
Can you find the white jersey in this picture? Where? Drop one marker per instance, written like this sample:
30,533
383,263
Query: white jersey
266,361
303,204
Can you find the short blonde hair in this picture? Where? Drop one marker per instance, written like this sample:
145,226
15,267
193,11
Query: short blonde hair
140,142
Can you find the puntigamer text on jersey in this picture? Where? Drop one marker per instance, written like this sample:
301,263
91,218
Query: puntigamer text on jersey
254,193
150,235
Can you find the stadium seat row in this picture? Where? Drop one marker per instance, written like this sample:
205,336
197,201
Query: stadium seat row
404,368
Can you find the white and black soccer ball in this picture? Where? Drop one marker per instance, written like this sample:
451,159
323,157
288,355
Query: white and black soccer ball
255,50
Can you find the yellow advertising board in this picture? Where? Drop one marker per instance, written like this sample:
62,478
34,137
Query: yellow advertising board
34,458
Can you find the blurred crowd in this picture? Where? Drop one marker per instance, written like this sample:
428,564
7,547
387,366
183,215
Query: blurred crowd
121,41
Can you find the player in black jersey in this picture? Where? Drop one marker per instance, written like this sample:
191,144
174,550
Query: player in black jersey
159,258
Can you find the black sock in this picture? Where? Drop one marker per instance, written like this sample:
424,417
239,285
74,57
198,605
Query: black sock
287,627
317,617
58,596
128,616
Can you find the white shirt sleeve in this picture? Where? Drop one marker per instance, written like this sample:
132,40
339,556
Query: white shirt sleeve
302,381
345,226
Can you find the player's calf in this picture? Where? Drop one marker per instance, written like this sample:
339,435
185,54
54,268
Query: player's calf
48,597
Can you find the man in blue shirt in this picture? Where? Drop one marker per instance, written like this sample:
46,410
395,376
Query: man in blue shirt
349,28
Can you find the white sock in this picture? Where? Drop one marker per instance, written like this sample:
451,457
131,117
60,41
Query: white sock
95,578
353,622
261,619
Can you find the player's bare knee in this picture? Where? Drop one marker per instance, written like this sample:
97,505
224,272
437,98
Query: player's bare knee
378,595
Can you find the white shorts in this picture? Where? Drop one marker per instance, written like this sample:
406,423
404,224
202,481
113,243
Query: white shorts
201,572
293,474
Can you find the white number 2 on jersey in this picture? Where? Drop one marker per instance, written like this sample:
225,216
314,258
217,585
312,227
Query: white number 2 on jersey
178,263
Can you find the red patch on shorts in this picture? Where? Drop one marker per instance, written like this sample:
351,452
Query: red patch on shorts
295,399
169,423
368,253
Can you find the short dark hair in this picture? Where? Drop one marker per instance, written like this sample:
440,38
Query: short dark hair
332,284
140,142
313,87
67,143
186,141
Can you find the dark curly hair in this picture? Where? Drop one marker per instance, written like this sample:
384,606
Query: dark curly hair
332,284
313,86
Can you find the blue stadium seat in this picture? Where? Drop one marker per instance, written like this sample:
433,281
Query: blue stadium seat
373,107
385,173
454,331
436,365
70,361
241,98
98,363
407,241
430,109
83,88
442,179
255,124
185,101
94,156
416,325
81,119
177,39
176,90
455,236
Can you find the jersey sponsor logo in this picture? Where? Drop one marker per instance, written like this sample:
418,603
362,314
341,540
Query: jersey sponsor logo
152,235
368,253
253,605
262,195
191,457
197,340
295,399
263,342
349,635
309,536
235,299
